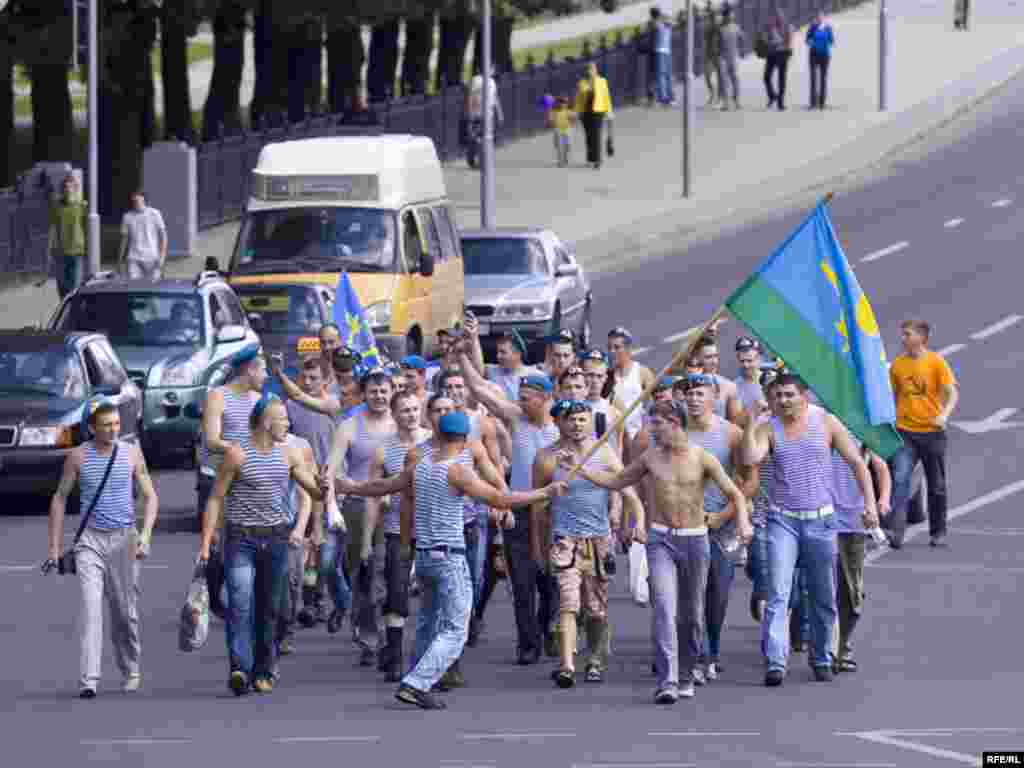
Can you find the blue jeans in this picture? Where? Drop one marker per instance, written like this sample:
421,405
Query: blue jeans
332,570
476,553
678,573
663,77
69,273
256,575
800,607
721,572
813,542
757,562
442,622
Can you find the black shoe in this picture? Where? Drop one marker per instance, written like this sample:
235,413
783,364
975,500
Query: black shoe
335,621
87,693
475,625
895,542
367,657
774,678
528,657
823,674
239,683
306,618
564,678
422,699
771,100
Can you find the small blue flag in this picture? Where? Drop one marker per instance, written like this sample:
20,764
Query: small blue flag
350,318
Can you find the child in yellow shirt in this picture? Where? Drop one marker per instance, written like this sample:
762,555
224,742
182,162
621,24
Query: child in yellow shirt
560,119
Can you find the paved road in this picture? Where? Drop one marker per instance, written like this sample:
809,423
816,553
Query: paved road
939,679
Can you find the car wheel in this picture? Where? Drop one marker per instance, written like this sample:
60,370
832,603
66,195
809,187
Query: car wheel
585,329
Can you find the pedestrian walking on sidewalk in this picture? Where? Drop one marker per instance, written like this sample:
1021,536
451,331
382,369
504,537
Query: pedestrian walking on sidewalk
961,14
820,39
662,58
143,241
108,547
730,39
712,55
473,120
67,237
777,44
560,119
593,105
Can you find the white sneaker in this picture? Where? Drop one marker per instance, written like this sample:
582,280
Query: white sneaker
712,671
132,683
667,695
697,676
687,691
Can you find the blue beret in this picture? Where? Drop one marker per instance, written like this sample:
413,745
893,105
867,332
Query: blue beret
90,407
665,382
245,355
413,361
454,423
261,405
537,381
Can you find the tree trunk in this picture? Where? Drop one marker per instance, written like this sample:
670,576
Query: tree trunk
380,74
454,39
304,70
261,64
345,58
175,27
222,112
419,43
47,53
7,43
501,45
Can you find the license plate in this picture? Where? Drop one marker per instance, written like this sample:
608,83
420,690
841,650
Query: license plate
485,329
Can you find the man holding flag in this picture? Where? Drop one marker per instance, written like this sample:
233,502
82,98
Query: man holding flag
351,319
805,303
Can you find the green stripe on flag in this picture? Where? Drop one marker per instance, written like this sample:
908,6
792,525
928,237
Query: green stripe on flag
763,310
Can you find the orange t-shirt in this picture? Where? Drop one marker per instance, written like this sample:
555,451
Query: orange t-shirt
917,385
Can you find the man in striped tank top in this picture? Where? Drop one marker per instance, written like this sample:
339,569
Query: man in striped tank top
107,555
722,439
677,540
510,351
727,402
250,491
581,524
529,422
388,461
748,383
437,482
801,522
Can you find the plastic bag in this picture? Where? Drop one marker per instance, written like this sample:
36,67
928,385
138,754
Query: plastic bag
638,586
335,520
194,627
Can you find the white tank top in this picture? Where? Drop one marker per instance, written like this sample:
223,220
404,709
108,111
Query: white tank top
629,388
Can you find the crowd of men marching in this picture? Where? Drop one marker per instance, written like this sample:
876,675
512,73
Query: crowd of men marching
367,485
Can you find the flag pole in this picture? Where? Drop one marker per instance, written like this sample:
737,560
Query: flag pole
680,356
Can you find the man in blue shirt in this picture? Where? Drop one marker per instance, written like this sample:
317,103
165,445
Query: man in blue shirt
820,40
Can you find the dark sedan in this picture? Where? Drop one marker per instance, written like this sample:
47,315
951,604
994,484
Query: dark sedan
45,380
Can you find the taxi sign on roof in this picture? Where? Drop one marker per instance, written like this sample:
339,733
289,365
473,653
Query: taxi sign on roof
308,345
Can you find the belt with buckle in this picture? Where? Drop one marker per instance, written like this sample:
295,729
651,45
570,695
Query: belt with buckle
258,531
701,531
445,549
808,514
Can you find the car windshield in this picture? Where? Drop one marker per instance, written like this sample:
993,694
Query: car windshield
284,309
137,319
503,256
318,239
51,371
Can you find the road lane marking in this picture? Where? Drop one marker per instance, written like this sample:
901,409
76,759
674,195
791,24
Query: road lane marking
634,765
946,351
949,569
982,501
992,330
513,736
887,738
326,739
894,248
836,765
131,742
989,531
710,734
1002,202
953,223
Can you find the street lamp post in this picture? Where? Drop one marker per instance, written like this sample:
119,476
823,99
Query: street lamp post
93,170
688,115
487,150
883,57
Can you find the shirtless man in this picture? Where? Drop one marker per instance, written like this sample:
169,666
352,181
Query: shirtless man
677,539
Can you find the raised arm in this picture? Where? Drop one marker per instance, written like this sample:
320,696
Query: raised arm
150,502
59,502
327,405
505,409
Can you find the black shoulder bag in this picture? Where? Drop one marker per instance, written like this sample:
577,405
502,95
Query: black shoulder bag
66,564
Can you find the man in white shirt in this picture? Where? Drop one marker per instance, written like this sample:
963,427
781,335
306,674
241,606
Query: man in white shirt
143,241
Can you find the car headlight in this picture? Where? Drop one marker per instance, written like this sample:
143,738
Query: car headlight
526,311
378,316
45,437
179,375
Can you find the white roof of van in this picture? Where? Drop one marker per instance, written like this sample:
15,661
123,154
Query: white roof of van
407,166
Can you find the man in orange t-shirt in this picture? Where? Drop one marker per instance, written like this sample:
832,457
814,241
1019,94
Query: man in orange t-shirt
926,394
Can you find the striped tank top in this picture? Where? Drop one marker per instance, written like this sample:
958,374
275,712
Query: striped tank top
526,441
115,508
362,447
716,442
583,511
394,464
438,516
846,495
802,467
257,495
234,425
749,392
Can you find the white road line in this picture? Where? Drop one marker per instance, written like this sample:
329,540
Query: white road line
951,349
714,734
1002,202
988,531
992,330
836,765
634,765
131,742
894,248
949,569
982,501
953,223
513,736
880,737
326,739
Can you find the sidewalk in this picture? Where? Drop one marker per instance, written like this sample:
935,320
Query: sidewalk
746,162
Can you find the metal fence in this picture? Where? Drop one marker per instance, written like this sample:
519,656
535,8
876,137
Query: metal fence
224,166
